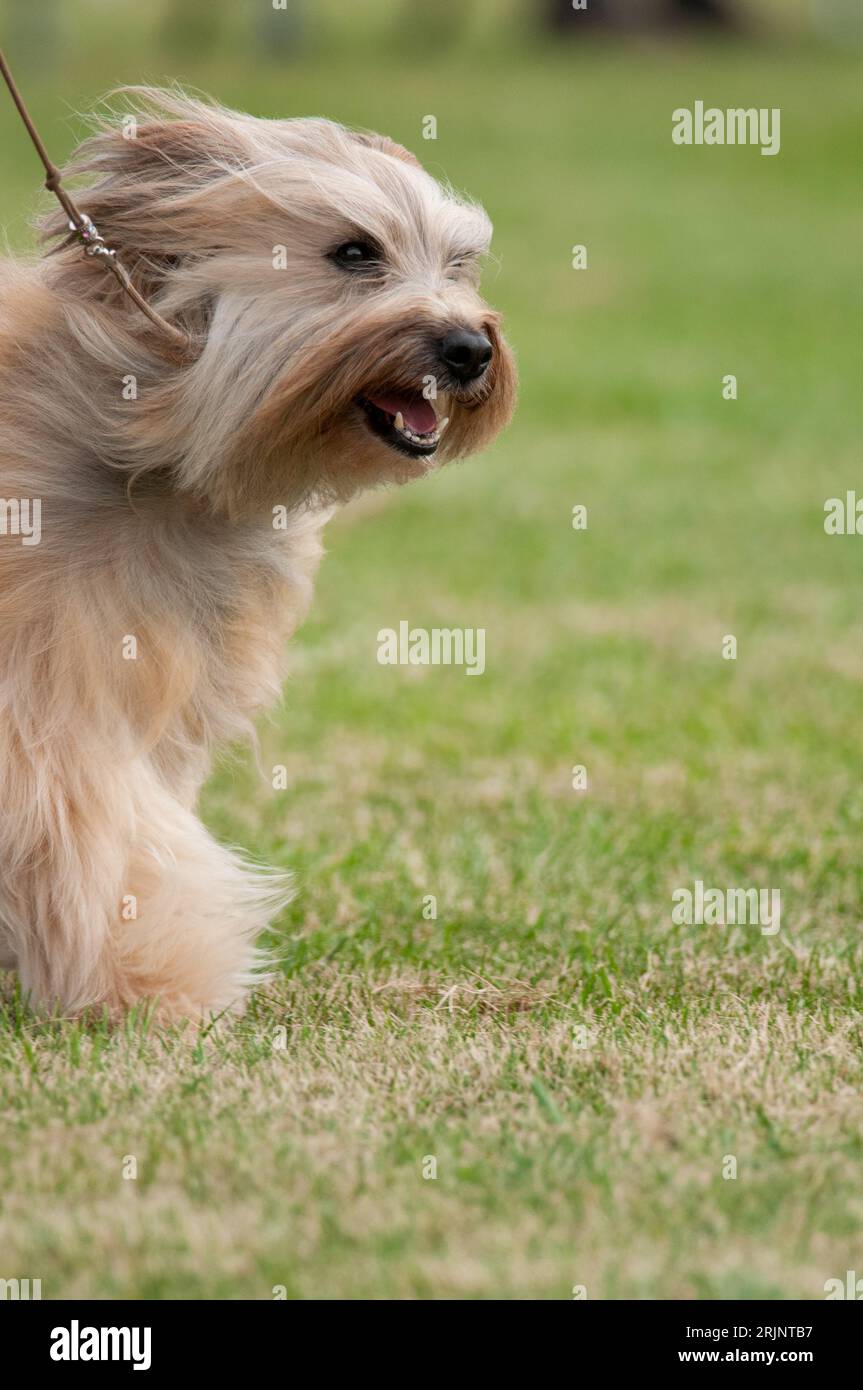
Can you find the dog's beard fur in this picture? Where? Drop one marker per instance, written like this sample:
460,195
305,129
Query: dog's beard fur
159,478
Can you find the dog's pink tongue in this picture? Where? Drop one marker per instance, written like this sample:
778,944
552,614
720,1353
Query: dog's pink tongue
419,414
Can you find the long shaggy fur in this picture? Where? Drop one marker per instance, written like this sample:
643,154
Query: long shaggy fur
148,625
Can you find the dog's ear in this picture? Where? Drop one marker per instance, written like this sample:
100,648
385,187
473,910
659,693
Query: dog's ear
386,146
148,169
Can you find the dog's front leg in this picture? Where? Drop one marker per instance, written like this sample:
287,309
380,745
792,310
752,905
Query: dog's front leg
198,909
66,820
112,892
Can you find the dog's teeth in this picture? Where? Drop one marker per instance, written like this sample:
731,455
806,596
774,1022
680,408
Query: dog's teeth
427,437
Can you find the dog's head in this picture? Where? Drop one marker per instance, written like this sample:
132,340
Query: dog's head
329,285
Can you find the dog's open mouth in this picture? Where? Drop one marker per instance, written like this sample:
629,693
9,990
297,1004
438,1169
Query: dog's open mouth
407,423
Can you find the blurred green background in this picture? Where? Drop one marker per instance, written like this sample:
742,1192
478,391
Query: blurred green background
454,1036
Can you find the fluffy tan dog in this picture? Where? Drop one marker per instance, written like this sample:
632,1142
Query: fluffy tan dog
328,285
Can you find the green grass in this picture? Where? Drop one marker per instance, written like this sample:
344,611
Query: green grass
295,1158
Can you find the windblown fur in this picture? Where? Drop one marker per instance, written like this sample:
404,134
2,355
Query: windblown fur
148,624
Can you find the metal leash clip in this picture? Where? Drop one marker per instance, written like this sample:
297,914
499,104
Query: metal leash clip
94,242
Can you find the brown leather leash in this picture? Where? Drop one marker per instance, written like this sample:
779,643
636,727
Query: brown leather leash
82,225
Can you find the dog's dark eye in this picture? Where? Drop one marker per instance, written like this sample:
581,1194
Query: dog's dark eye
355,255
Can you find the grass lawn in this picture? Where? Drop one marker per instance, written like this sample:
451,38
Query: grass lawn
291,1148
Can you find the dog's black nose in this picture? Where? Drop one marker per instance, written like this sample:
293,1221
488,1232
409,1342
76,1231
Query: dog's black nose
465,355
